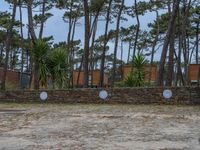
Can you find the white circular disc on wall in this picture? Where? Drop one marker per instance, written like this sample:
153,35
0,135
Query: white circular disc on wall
167,94
103,94
43,96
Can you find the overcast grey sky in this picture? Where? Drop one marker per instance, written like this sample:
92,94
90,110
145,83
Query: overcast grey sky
56,27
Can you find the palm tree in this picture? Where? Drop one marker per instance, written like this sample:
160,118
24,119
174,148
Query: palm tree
57,66
137,76
40,51
139,73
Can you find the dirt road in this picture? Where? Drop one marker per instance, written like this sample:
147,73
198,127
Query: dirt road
99,127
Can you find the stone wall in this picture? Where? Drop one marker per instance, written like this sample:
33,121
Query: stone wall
181,95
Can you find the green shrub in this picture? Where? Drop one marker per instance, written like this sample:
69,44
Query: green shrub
119,84
129,80
137,77
57,63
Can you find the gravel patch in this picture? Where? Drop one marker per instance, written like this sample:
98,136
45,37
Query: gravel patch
99,127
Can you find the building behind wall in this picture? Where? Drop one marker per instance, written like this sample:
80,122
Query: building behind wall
127,70
94,78
194,73
13,79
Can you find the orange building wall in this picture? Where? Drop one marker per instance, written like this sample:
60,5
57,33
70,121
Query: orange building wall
193,71
127,69
96,77
75,77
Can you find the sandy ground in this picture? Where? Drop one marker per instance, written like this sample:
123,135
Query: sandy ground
99,127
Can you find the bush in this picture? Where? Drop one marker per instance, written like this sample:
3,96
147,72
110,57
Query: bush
136,78
57,63
130,80
119,84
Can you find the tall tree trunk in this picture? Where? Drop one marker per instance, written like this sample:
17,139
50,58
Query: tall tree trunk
79,71
86,43
27,61
28,56
1,53
33,38
170,66
166,43
186,9
191,54
197,43
178,60
8,45
69,52
137,33
30,21
129,51
116,43
69,31
92,49
72,51
198,80
93,24
31,68
10,60
104,44
122,51
42,20
21,43
179,76
153,47
30,62
93,34
169,6
13,57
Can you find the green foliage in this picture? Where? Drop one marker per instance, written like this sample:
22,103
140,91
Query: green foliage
139,62
136,78
130,80
5,20
139,78
39,18
51,63
73,9
96,5
40,51
119,84
57,62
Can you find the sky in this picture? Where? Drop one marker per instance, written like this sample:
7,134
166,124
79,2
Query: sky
56,27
